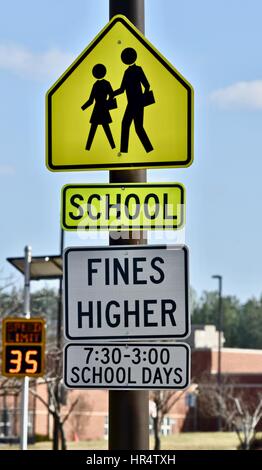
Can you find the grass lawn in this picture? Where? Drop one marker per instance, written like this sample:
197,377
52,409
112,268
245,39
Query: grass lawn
182,441
201,441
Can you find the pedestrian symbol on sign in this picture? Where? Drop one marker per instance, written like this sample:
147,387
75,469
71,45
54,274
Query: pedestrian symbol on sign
102,94
137,98
134,77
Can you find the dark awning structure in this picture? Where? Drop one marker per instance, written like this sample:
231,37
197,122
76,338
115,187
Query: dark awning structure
41,267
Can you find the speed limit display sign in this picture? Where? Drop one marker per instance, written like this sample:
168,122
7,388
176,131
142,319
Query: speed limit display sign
23,347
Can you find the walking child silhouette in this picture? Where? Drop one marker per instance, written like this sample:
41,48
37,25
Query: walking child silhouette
133,78
102,94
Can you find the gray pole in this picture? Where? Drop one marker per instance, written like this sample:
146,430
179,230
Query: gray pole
128,410
25,384
58,345
60,292
220,331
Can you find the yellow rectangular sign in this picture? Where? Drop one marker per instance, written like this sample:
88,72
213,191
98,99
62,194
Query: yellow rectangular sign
135,206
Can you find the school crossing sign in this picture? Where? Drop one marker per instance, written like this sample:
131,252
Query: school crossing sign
121,104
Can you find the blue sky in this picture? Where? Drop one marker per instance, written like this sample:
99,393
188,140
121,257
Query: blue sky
217,47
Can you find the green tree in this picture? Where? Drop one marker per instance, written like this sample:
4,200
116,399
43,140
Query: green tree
44,304
206,312
231,314
250,326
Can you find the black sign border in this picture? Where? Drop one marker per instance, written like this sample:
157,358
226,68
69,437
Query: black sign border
117,248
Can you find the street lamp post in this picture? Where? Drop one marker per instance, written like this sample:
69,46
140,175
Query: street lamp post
220,330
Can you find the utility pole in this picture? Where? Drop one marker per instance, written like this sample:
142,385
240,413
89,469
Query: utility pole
25,384
128,410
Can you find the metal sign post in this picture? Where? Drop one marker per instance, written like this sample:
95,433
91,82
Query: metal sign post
25,385
128,410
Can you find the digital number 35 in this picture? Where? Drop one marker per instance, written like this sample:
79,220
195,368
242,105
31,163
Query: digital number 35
28,360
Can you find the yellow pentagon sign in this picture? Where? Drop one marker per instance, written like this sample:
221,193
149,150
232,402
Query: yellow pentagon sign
133,206
120,105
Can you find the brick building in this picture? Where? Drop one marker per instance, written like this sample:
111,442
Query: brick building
89,420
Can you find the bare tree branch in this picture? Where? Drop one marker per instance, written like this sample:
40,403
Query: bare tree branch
72,406
236,408
35,394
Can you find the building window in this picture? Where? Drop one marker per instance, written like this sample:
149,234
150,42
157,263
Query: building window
106,427
151,426
5,424
191,399
166,427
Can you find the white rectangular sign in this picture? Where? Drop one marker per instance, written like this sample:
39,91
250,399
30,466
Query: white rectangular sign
126,292
127,366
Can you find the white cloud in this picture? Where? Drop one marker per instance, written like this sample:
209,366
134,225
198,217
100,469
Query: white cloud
7,170
36,66
240,95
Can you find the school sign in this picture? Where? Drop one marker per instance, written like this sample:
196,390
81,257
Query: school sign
120,105
130,206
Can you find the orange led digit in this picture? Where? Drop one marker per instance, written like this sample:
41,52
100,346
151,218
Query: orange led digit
32,362
17,361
